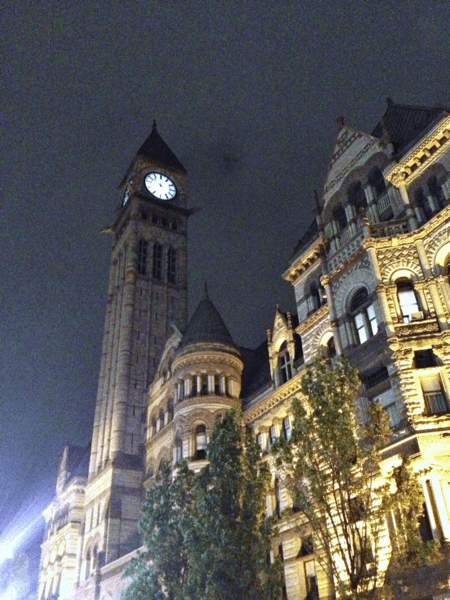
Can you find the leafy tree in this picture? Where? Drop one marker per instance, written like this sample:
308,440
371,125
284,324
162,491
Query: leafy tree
333,468
206,534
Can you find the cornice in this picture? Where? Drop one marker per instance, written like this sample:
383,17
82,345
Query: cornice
417,160
200,356
305,260
320,314
210,401
280,394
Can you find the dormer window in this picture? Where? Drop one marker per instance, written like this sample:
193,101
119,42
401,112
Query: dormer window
284,363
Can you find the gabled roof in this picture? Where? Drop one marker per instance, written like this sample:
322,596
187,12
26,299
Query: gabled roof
156,149
403,123
206,325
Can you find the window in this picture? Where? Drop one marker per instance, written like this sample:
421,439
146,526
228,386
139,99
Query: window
273,434
170,412
356,195
142,257
376,180
407,299
157,261
172,265
363,315
307,546
374,377
194,386
425,358
340,217
217,384
261,441
154,428
315,296
277,494
436,191
204,384
434,395
287,428
388,402
200,441
284,364
178,449
330,348
161,420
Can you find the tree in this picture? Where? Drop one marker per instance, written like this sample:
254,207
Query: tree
332,466
206,534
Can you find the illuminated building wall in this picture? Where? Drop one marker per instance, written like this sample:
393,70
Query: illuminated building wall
371,281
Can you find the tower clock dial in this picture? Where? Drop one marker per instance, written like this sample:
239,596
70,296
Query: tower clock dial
160,186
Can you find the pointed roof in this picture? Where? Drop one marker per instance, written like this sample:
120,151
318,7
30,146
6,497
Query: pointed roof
403,123
156,149
206,325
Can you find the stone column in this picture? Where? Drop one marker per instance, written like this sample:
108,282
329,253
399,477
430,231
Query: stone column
325,281
412,219
432,286
431,200
371,203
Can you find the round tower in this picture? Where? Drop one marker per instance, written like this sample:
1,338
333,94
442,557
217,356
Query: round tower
207,374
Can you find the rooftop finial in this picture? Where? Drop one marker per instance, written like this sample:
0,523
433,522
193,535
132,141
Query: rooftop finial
206,288
154,125
340,122
389,102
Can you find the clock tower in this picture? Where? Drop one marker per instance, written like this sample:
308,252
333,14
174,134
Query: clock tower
147,294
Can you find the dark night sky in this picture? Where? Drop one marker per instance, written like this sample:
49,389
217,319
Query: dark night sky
246,94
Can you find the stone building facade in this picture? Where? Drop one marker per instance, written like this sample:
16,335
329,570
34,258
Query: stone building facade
371,282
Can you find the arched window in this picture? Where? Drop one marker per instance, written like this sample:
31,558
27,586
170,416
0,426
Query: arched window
154,426
436,191
200,441
356,195
87,570
315,296
284,363
340,217
277,494
422,203
363,314
142,257
376,180
178,449
161,419
170,412
157,261
407,299
172,265
330,348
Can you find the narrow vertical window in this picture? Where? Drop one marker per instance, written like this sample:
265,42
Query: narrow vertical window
172,265
287,428
157,261
200,441
142,257
284,364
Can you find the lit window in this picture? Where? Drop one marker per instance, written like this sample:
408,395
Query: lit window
273,434
363,314
200,441
157,261
284,363
142,257
287,428
407,299
171,265
434,395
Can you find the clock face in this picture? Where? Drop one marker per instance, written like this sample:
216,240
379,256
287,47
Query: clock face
160,186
